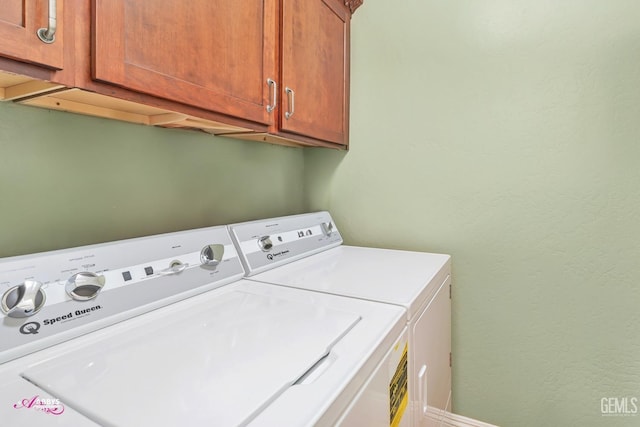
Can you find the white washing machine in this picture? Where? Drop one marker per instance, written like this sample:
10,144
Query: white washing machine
162,331
306,252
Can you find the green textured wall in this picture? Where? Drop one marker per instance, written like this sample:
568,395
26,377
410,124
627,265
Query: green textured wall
506,133
69,180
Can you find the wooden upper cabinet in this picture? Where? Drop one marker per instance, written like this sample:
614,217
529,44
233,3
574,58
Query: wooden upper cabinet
315,69
20,21
267,70
212,54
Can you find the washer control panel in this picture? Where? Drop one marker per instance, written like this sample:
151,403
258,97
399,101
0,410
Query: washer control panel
52,296
266,244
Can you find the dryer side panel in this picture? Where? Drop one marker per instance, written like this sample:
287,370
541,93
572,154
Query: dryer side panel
430,341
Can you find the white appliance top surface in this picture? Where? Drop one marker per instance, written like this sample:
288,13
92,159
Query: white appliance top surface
218,363
384,275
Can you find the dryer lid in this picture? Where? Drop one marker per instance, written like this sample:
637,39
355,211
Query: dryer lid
220,363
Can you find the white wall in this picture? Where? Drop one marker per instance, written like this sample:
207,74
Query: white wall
506,133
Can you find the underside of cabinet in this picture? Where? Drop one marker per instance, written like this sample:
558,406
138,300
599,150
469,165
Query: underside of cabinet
13,86
28,91
280,139
93,104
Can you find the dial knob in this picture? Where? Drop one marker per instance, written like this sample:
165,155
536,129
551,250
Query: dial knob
84,286
327,228
23,300
265,243
175,267
211,255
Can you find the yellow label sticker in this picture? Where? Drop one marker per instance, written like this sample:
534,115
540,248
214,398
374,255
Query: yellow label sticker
398,391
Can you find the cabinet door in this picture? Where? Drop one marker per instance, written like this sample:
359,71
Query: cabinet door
19,23
212,54
315,66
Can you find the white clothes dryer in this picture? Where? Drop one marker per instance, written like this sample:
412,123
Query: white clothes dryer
306,252
163,331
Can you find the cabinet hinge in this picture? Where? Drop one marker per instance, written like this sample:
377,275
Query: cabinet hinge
450,362
449,290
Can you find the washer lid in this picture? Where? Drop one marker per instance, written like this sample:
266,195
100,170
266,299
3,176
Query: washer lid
405,278
219,363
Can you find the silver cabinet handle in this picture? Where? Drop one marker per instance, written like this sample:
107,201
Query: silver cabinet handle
48,35
291,95
274,94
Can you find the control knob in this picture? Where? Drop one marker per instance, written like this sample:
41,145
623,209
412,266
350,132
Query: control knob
265,243
23,300
84,286
175,267
211,255
327,228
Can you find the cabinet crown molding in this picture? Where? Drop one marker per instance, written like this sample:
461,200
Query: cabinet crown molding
353,4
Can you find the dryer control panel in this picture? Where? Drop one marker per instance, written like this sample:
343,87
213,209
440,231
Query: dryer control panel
49,297
269,243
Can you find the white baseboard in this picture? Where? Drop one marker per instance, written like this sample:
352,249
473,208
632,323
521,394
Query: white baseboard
454,420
